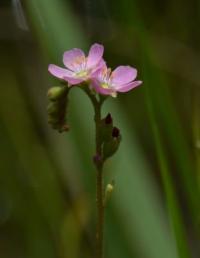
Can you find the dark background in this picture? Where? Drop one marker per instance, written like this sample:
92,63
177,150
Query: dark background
47,179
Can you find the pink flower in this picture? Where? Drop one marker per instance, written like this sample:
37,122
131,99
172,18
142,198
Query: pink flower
120,80
79,67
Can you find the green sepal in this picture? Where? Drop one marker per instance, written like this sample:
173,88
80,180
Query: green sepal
110,147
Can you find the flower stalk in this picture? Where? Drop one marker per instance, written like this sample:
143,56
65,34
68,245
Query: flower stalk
99,184
91,74
99,162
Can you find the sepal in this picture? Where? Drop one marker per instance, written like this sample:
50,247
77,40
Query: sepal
111,146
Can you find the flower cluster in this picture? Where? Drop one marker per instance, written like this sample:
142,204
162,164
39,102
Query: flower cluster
93,69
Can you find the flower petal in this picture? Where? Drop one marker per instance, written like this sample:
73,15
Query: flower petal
98,70
128,86
95,55
74,59
58,71
99,89
99,67
73,80
123,75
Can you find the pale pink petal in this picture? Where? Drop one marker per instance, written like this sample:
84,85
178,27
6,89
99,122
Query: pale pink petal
73,80
128,86
97,68
100,65
97,86
95,55
74,59
123,75
58,71
98,71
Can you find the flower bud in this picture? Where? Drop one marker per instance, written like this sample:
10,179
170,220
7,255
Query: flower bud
109,188
115,132
57,108
52,108
56,92
112,145
108,191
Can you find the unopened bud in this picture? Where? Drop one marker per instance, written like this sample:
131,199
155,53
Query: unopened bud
112,145
115,132
109,188
56,93
52,108
108,191
57,108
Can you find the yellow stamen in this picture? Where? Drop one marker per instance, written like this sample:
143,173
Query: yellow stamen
105,85
81,74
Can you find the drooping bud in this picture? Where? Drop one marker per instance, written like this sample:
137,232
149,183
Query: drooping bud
57,108
56,92
112,145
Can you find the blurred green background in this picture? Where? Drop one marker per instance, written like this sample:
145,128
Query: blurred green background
47,179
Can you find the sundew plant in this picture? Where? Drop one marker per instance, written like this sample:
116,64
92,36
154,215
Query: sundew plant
99,129
92,75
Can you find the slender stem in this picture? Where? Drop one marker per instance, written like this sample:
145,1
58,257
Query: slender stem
99,172
100,215
99,186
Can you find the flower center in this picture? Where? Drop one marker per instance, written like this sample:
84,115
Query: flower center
82,74
105,85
